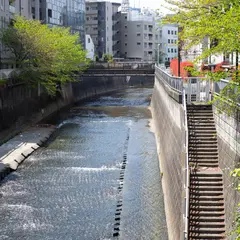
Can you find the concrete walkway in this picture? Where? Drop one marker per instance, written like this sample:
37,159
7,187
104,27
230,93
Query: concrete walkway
17,149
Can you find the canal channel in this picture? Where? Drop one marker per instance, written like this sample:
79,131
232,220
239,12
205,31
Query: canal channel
97,177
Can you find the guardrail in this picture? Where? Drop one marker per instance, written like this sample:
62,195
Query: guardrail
187,171
122,65
173,82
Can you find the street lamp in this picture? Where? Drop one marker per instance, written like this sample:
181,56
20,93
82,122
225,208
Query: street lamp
158,53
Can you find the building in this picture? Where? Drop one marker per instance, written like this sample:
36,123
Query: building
168,48
89,47
67,13
103,25
139,36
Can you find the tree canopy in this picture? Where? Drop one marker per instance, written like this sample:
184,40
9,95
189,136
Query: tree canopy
45,55
219,20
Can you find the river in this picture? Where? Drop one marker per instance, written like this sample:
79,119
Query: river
98,175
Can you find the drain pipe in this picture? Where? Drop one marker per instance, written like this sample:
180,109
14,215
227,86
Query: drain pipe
187,172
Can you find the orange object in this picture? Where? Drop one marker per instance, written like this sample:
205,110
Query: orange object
183,72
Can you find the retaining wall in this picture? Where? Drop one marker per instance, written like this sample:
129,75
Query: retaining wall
228,132
168,116
18,103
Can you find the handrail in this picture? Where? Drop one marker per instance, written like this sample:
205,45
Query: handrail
187,172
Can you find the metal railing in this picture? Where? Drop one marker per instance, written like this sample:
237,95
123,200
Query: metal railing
173,82
186,171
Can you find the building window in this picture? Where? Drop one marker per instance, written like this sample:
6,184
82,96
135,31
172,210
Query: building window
125,44
169,59
175,50
138,26
50,13
145,54
88,40
172,41
169,50
87,8
168,31
172,32
125,26
175,41
175,32
145,45
125,35
145,27
126,53
125,17
168,40
138,34
138,43
87,18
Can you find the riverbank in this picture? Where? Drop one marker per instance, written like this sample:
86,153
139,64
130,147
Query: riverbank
17,149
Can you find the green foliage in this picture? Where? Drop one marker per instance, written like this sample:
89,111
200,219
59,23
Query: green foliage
45,55
107,57
211,21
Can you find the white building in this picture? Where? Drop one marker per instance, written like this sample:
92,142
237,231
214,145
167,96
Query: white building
89,47
168,42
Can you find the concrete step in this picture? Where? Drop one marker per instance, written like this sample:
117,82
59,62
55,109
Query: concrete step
209,165
202,131
197,213
206,188
199,113
194,156
207,160
198,154
206,237
189,110
202,137
202,145
206,193
201,127
206,219
207,203
206,198
207,224
203,148
207,230
209,174
207,183
206,179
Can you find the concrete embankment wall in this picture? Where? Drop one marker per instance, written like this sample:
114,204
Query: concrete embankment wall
228,132
168,116
19,103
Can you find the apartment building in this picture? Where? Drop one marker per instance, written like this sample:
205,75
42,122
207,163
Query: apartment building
139,36
103,25
168,42
67,13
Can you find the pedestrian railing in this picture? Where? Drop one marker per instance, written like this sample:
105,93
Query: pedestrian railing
173,82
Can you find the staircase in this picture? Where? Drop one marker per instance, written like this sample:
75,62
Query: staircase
206,201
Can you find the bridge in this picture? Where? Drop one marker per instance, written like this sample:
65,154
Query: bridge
191,127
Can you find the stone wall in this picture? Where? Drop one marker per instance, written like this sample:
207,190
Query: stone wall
168,116
228,132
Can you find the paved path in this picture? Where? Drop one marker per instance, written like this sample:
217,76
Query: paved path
14,151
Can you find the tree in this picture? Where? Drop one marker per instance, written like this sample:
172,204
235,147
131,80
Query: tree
44,55
107,57
219,22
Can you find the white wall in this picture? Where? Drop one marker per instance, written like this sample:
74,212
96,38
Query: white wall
89,47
